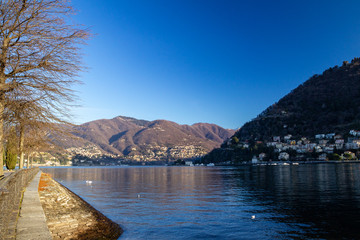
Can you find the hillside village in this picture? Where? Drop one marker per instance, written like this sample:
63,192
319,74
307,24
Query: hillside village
168,153
322,147
91,155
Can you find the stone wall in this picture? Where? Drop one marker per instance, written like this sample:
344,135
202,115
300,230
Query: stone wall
69,217
11,192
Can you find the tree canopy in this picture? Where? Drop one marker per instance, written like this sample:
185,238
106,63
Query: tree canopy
39,61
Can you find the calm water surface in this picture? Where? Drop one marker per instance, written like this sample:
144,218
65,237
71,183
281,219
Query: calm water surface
289,202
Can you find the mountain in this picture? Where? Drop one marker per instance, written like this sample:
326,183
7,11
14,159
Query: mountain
325,103
150,140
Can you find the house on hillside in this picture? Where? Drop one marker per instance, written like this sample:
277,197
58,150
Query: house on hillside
262,156
284,156
357,142
318,149
338,136
339,143
330,135
355,133
320,136
189,163
323,157
351,145
287,137
254,160
329,149
310,146
276,139
271,144
323,142
279,146
305,140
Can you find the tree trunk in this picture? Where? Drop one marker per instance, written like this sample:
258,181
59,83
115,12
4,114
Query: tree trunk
1,136
3,55
21,148
26,163
31,163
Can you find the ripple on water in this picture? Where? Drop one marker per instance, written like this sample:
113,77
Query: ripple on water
302,202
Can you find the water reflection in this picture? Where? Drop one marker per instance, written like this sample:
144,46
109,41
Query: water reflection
322,200
289,202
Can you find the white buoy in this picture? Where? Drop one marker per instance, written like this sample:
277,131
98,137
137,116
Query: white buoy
253,217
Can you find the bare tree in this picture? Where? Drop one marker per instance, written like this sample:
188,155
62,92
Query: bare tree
29,117
35,141
37,126
39,54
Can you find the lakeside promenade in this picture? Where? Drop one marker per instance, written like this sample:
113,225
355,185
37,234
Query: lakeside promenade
49,210
32,221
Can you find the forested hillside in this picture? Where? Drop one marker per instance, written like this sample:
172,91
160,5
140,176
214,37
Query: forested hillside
325,103
328,103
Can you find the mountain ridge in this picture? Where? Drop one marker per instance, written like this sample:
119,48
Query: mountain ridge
142,139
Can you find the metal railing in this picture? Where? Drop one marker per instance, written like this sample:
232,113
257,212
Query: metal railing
11,192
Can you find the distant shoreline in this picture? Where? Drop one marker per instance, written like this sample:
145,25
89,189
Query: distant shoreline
273,163
282,163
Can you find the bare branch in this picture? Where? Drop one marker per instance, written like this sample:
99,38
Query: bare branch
39,62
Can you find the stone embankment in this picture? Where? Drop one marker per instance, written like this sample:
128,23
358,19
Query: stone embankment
70,217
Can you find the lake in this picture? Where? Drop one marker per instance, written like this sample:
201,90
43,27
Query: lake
310,201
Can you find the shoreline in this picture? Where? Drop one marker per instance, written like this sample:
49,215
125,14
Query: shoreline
280,163
68,216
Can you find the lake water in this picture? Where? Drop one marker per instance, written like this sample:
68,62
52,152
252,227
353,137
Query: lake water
320,201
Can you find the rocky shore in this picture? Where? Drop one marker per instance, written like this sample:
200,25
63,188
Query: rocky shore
70,217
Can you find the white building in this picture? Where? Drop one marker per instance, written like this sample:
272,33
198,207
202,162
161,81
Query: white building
351,145
262,156
355,133
320,136
323,157
276,139
284,156
288,137
189,163
330,135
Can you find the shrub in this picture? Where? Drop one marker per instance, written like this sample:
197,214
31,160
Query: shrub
11,150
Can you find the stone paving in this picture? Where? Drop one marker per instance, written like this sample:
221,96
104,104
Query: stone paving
31,222
70,217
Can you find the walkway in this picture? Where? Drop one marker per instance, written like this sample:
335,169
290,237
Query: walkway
32,222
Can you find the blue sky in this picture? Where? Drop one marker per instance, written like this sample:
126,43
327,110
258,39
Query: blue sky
220,62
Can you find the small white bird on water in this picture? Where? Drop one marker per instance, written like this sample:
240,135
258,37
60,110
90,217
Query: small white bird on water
253,217
138,195
89,182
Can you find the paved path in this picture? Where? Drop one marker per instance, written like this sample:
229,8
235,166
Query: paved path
32,222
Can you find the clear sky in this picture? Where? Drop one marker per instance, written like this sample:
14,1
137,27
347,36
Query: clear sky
220,61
